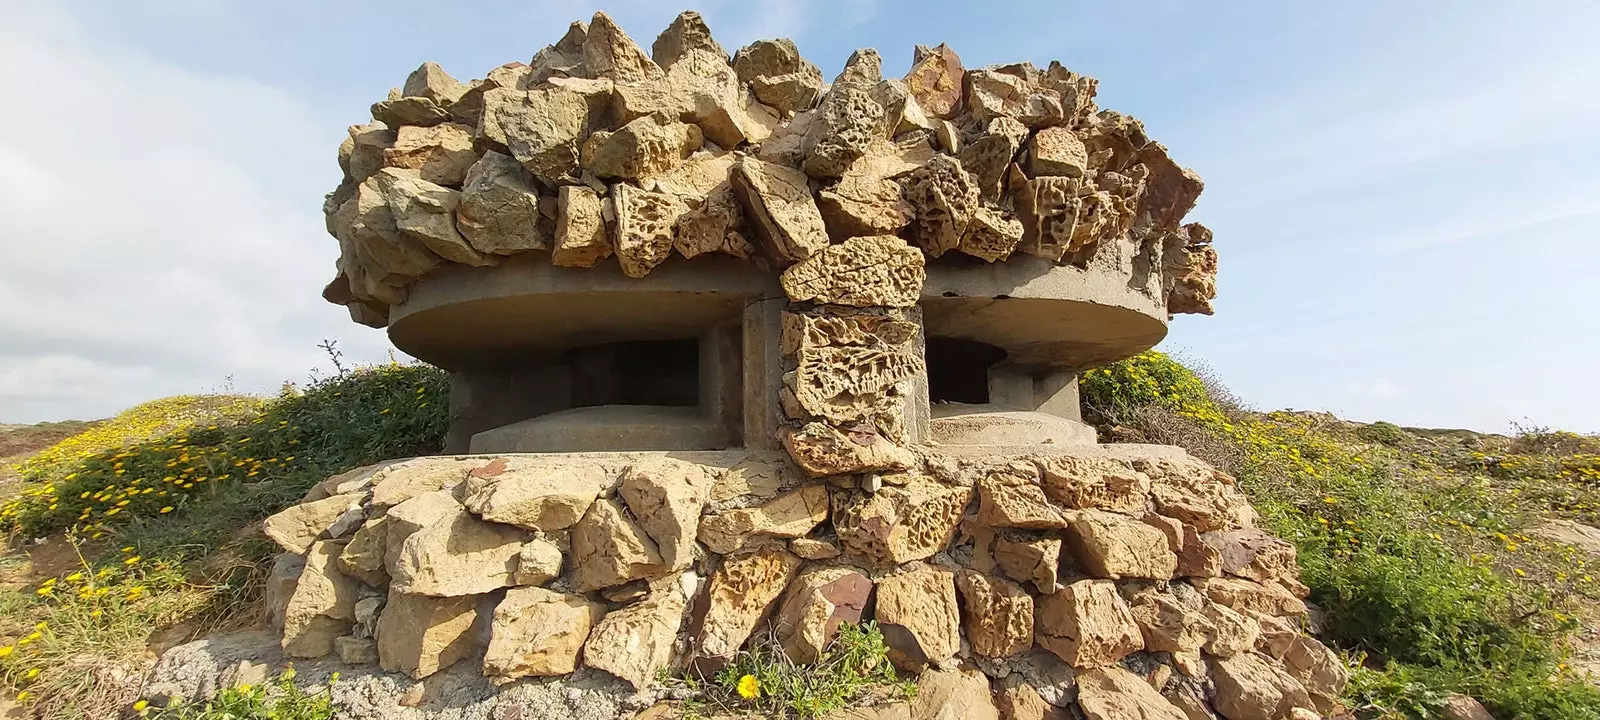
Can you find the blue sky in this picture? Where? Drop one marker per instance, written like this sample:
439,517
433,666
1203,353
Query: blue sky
1404,195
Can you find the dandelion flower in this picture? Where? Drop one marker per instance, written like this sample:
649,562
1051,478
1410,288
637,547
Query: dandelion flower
749,687
140,706
7,650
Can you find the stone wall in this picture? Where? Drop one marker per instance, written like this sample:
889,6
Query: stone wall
1102,579
599,152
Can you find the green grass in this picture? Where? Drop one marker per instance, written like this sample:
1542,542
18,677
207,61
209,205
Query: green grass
854,670
166,525
281,700
1412,545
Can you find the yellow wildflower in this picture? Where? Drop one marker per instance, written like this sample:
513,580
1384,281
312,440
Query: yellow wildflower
749,687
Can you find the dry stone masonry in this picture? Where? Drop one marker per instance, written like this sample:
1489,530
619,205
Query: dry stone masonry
876,236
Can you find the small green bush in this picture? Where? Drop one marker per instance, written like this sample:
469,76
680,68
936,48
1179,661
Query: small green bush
764,679
1383,433
282,700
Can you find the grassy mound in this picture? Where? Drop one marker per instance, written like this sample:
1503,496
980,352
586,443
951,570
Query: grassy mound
161,519
1413,545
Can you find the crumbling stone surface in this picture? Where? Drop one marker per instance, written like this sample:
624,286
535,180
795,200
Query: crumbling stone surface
637,642
918,614
739,596
538,633
872,271
814,606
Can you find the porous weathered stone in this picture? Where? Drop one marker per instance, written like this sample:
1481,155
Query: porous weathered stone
1168,625
943,197
1198,558
864,68
783,215
1012,497
995,93
643,149
952,695
814,605
458,554
992,235
644,228
1112,693
1190,270
538,562
666,497
322,606
1231,632
542,497
877,270
1091,482
998,614
866,200
814,549
917,612
1056,151
790,515
581,239
636,642
440,154
363,557
935,80
561,59
822,450
1319,670
1248,687
297,527
542,128
426,212
499,208
849,367
990,154
1252,554
362,153
688,31
1029,559
537,633
740,594
1048,207
898,524
778,74
1243,595
609,548
417,111
1116,546
1087,624
846,124
419,635
1197,494
608,52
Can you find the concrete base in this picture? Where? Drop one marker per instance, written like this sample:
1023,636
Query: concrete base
608,428
961,424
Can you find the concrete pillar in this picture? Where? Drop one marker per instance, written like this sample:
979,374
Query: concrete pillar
763,373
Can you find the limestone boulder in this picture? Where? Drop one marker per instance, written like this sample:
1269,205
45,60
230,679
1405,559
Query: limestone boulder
356,651
1087,624
1167,625
1048,208
468,109
399,482
608,52
538,562
1112,693
538,497
562,59
644,148
992,234
790,515
362,153
989,155
538,633
867,199
376,243
688,31
426,212
877,270
779,76
849,367
420,635
1197,494
455,555
822,450
609,548
1319,670
847,123
899,523
431,81
740,594
440,154
636,642
1029,559
717,225
542,128
782,212
416,111
322,606
1019,701
1189,270
363,557
1248,595
644,228
918,614
814,605
953,695
666,497
1012,497
864,68
695,179
296,528
581,240
935,80
1464,707
1249,687
1115,546
499,208
280,584
814,548
1197,557
1252,554
998,614
1056,151
943,198
1091,482
1231,632
997,93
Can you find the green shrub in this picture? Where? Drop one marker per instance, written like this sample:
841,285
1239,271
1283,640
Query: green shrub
1383,433
763,679
283,700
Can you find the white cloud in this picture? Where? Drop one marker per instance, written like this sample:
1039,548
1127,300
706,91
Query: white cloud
159,227
1377,388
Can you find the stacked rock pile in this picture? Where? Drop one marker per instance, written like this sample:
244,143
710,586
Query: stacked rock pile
597,149
1126,581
